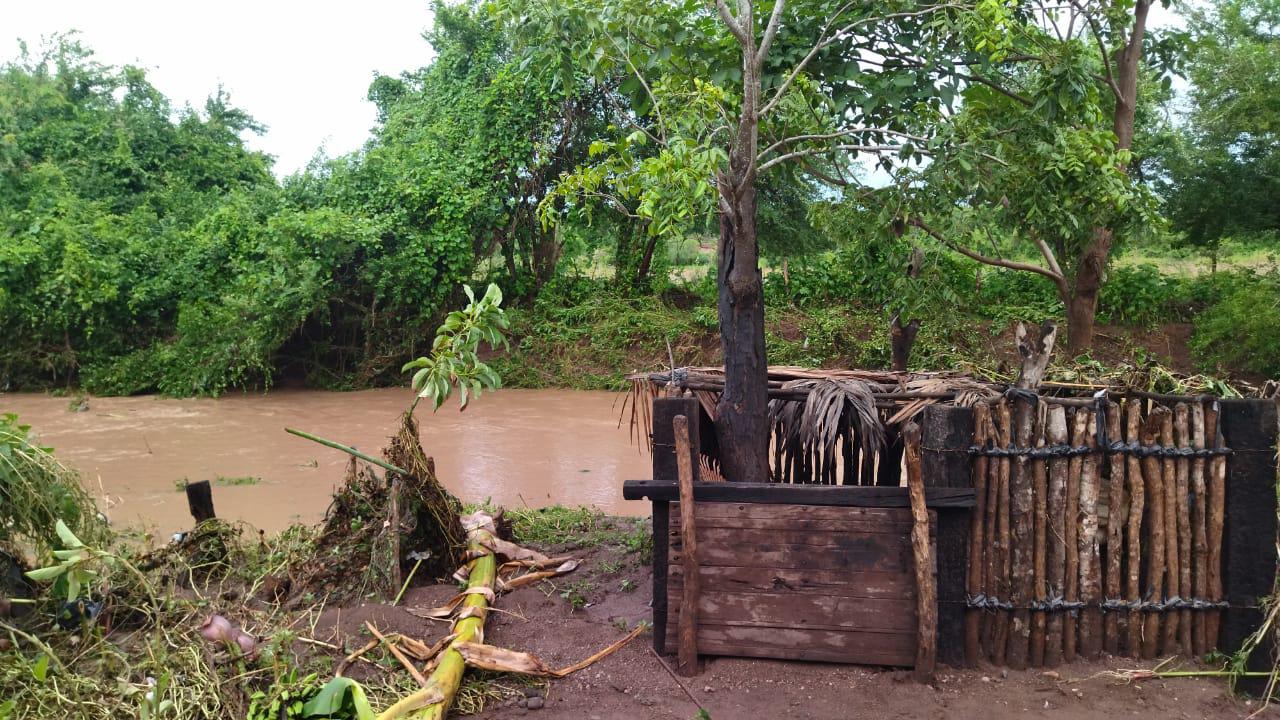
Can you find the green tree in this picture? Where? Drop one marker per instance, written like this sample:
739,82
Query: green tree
725,94
1036,174
1223,169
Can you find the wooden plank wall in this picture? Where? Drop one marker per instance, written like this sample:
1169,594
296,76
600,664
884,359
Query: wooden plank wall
800,582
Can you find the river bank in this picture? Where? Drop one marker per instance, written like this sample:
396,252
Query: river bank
515,448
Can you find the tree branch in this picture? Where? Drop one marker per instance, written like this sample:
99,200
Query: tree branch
830,148
726,15
770,31
1096,31
832,136
1057,277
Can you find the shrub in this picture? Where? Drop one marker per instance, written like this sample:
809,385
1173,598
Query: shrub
1242,330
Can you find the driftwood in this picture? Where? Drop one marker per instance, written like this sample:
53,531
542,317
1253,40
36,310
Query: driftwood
1217,506
688,629
1111,631
1182,475
1199,531
977,523
1137,505
1169,481
926,590
1153,474
1056,433
1071,539
1087,537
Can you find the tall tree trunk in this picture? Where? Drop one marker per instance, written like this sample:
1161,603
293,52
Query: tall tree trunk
742,427
1092,264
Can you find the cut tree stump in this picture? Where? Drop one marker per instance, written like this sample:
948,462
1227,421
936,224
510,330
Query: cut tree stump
200,501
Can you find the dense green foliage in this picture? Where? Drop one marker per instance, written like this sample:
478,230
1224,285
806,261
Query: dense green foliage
564,152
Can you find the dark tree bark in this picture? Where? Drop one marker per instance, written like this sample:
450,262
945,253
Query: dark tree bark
742,427
1092,263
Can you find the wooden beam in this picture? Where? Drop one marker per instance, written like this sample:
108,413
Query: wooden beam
787,494
688,631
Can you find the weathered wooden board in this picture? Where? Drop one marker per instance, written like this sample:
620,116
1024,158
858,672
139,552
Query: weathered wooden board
799,582
867,648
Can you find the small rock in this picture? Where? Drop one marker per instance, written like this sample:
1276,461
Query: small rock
1004,674
986,678
535,703
708,689
617,686
530,692
1051,674
523,702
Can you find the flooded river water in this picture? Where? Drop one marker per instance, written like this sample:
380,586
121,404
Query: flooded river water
517,447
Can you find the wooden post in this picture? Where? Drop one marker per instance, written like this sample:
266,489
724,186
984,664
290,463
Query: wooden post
926,592
1182,428
1115,534
1090,585
977,519
1056,433
1039,487
1154,476
992,549
1035,353
946,433
1216,496
1199,531
1137,502
661,563
200,500
688,630
1003,537
1071,577
1169,481
664,450
1248,570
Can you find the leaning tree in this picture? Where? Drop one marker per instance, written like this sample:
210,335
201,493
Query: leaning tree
722,94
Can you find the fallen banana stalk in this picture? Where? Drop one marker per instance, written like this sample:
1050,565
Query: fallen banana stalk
434,699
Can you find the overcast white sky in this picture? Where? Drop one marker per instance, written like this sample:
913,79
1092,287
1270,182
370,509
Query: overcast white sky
300,68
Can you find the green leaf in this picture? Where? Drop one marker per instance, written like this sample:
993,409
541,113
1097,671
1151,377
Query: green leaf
333,697
46,574
68,538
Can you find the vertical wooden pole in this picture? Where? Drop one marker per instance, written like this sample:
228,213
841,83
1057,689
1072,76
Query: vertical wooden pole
1173,587
1090,585
1182,430
1003,425
1035,354
926,592
1039,487
1056,434
1071,578
1199,531
688,629
946,433
993,542
977,520
1021,498
1217,514
1154,476
1137,503
1115,534
661,562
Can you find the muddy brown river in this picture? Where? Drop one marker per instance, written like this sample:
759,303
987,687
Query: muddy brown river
516,447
